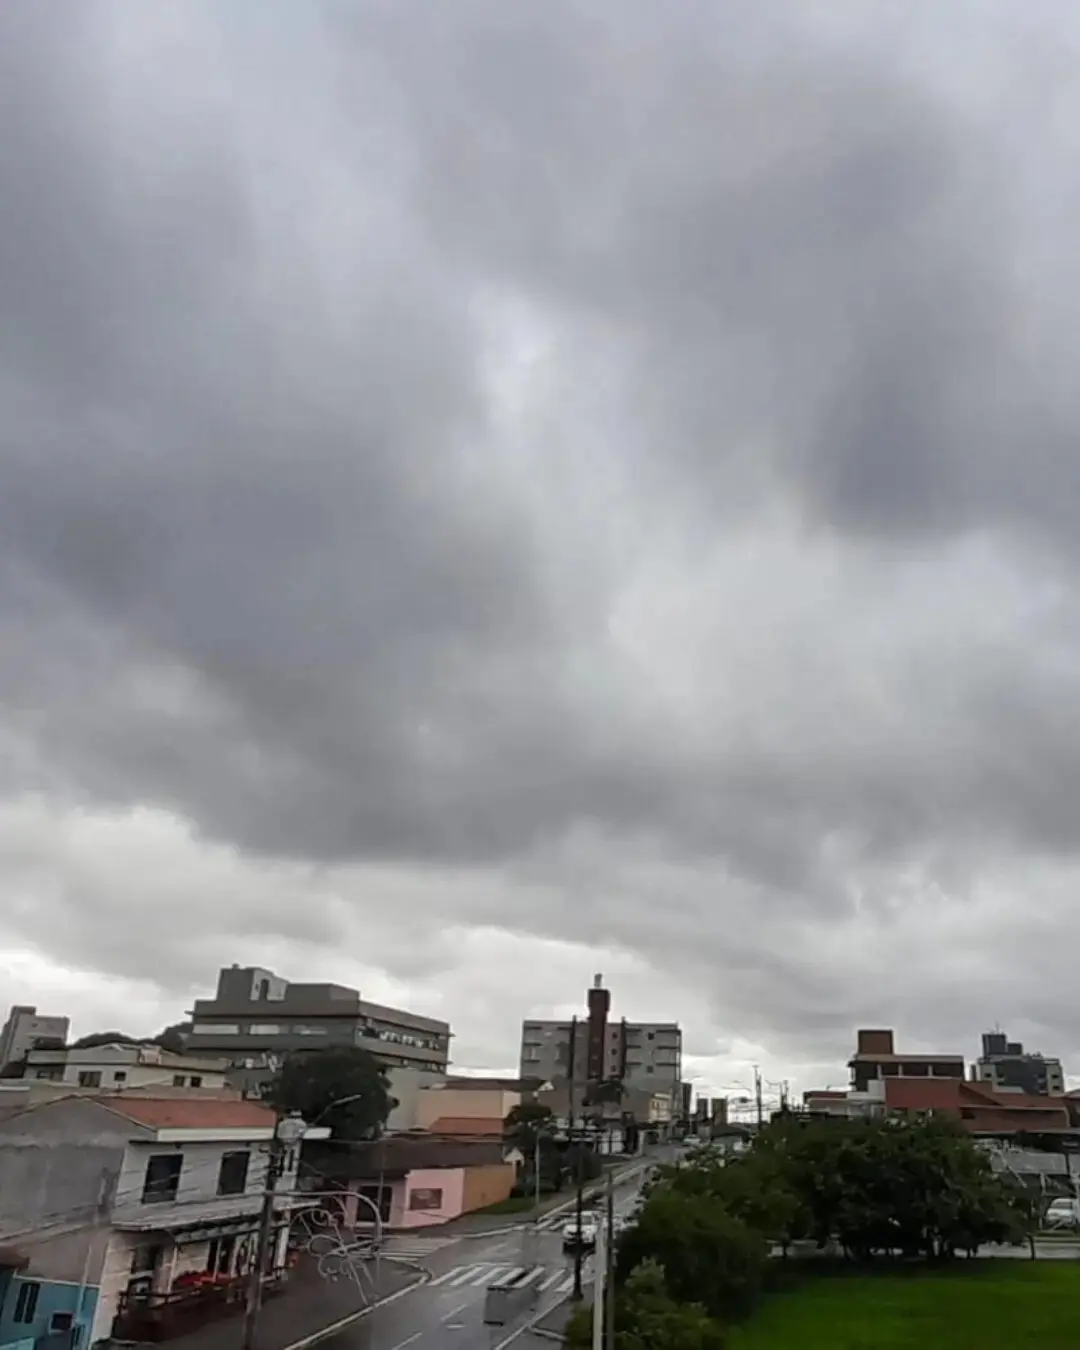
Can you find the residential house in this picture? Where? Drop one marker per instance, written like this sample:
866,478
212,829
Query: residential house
123,1065
466,1106
415,1181
128,1215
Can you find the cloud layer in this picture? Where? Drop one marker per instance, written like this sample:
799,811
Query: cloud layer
483,481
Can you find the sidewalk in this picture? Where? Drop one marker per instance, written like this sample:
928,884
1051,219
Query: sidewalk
477,1225
307,1311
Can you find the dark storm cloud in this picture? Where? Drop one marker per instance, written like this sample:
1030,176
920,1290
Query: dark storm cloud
286,549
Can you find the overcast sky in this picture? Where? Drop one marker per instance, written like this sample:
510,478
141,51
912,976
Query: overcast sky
492,492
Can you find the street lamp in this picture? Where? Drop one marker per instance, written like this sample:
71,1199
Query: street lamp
288,1132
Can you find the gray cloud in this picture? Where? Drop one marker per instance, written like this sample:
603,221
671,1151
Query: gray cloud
612,473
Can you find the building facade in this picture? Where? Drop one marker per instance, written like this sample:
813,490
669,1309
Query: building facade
25,1029
114,1206
875,1057
593,1051
1007,1067
256,1019
122,1067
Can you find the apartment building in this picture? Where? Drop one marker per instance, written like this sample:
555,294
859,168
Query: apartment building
1007,1067
123,1066
875,1057
593,1050
25,1029
256,1019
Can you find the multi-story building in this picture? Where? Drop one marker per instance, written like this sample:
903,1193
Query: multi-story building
114,1207
592,1051
256,1019
875,1057
25,1029
1007,1067
123,1066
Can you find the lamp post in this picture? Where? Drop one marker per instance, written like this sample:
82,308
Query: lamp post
288,1132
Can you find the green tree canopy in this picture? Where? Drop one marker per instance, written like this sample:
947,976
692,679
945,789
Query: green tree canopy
345,1089
527,1122
707,1254
648,1318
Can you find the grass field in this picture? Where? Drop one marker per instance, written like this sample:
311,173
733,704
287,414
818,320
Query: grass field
976,1305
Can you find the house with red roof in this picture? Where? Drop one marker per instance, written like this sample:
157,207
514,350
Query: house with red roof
125,1214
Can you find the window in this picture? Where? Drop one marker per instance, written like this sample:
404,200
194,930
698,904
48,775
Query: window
196,1080
232,1176
119,1076
178,1080
27,1301
215,1029
61,1321
50,1075
89,1077
162,1179
304,1029
264,1029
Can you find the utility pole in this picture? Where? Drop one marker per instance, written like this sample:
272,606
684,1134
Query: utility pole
575,1143
609,1274
758,1098
289,1130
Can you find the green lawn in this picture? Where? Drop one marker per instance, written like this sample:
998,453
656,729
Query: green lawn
976,1305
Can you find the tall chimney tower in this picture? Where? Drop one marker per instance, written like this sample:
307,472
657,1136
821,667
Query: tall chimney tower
599,1000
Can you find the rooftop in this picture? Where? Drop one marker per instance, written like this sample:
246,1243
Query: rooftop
184,1113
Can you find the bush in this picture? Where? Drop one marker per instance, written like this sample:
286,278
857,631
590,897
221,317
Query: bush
707,1255
648,1318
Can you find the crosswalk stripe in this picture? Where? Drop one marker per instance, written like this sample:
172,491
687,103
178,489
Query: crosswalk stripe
533,1274
463,1276
566,1285
488,1277
514,1273
552,1279
442,1279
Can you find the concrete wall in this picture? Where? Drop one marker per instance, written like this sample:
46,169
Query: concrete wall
464,1104
449,1185
408,1086
487,1185
52,1298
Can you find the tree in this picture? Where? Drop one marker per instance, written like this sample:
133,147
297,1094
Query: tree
648,1318
527,1122
97,1038
707,1254
173,1037
345,1089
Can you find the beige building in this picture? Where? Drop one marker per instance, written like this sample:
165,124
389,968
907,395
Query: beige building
462,1105
122,1066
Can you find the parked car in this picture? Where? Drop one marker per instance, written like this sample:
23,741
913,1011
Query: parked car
1063,1213
583,1236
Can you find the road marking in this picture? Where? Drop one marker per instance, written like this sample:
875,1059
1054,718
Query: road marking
553,1279
454,1311
463,1276
408,1340
514,1274
342,1322
488,1276
533,1274
441,1279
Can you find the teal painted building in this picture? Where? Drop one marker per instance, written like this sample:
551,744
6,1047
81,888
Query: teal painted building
31,1308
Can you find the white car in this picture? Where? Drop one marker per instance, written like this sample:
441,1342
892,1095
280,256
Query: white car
1063,1213
583,1236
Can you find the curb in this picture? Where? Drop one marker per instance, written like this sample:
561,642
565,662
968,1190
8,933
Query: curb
592,1191
342,1322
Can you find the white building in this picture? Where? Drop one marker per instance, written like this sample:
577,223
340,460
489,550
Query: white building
107,1202
120,1066
24,1028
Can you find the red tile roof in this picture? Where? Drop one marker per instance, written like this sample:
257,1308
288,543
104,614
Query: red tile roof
989,1111
180,1113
